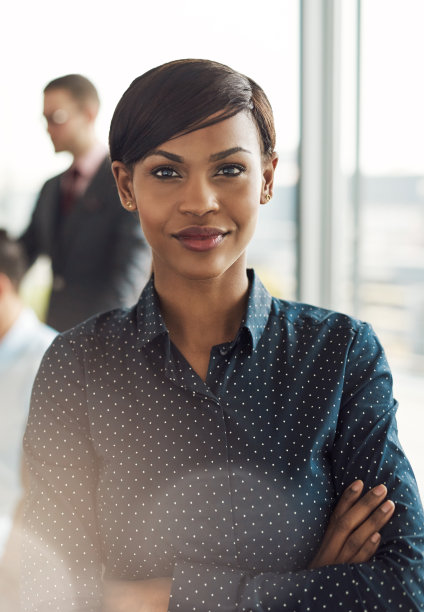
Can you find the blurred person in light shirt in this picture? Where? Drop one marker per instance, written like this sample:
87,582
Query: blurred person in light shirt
23,341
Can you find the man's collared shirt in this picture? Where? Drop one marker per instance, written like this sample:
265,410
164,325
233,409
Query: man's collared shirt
227,485
85,169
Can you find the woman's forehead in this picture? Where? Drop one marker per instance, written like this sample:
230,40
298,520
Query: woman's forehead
239,131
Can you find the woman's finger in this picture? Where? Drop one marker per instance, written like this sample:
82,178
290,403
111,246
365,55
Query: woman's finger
361,536
347,522
349,497
368,550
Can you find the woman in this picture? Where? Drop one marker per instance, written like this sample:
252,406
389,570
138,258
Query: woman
214,448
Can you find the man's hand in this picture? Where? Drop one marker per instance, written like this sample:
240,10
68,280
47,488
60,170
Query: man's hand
352,533
137,595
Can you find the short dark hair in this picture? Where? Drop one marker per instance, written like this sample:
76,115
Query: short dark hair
78,86
13,261
177,98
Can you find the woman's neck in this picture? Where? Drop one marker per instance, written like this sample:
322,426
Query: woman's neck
202,313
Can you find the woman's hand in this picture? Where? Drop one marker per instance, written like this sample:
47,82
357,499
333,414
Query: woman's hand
352,533
137,595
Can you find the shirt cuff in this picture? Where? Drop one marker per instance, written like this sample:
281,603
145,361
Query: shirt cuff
205,588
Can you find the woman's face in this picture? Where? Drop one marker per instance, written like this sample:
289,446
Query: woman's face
198,197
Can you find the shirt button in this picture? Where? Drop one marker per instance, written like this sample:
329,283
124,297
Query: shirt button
223,350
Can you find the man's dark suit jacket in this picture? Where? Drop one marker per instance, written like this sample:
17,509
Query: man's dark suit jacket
100,259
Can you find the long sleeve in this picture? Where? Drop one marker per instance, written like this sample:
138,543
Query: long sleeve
30,239
365,446
61,556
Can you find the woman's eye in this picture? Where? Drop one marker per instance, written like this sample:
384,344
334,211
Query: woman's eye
165,172
231,170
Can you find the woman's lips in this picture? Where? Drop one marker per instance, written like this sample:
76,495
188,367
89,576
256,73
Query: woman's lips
197,238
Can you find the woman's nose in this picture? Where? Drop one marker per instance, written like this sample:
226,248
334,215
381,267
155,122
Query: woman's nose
199,198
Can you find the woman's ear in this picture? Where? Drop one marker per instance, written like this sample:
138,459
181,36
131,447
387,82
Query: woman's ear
123,179
268,171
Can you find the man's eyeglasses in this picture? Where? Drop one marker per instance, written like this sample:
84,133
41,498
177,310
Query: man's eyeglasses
59,117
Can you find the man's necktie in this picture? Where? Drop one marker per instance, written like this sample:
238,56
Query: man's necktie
69,191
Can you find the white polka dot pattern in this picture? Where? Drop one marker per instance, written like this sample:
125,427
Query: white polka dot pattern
140,467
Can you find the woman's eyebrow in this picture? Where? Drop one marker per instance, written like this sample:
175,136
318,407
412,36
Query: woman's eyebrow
226,153
171,156
214,157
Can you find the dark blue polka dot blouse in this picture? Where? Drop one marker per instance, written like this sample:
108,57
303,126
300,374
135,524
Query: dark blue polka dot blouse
140,469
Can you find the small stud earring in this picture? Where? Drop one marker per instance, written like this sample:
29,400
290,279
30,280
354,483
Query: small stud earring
268,197
130,205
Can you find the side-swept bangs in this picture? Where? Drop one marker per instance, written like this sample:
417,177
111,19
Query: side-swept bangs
180,97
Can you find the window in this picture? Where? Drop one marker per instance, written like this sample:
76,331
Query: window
391,247
361,208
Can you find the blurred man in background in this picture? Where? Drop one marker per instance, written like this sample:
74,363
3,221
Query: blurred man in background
23,341
99,257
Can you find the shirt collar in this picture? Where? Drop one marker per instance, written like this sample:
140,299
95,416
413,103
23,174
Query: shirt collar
88,164
150,323
17,336
258,309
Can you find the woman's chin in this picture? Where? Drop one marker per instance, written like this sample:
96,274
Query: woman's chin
202,275
195,272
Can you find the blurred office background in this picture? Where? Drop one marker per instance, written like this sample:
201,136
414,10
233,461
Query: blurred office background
345,228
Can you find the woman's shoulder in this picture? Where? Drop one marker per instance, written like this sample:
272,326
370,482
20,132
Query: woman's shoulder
308,315
106,328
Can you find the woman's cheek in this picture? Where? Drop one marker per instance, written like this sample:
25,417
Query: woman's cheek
148,221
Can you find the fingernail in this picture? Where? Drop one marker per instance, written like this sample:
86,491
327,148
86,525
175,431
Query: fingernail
379,490
387,506
357,486
375,538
